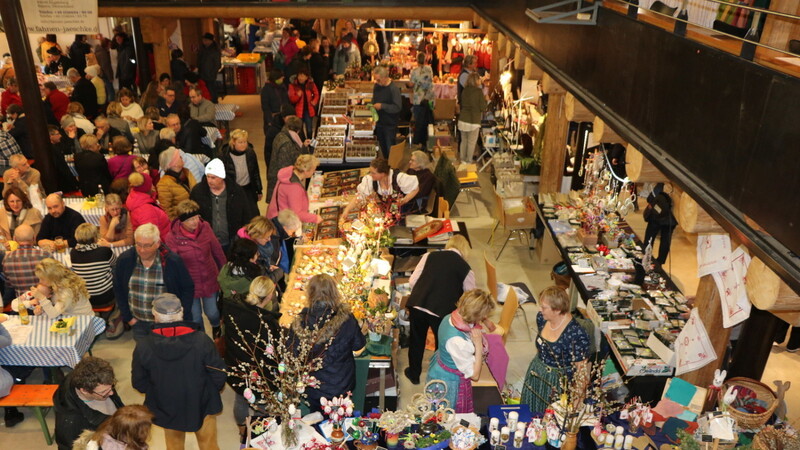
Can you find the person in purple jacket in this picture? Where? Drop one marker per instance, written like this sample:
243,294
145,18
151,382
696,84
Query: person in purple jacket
194,241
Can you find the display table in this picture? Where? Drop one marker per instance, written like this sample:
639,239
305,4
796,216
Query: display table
425,245
43,348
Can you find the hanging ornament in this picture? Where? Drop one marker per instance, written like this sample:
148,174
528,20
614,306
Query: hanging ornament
270,349
281,367
249,396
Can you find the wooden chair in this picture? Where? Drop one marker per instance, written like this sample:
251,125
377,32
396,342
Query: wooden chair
443,210
491,279
36,396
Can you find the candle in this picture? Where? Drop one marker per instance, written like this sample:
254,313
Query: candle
522,426
505,434
519,435
609,440
513,417
494,424
495,438
618,440
628,444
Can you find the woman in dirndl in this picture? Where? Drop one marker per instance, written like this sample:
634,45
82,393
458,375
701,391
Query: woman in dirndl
562,345
462,348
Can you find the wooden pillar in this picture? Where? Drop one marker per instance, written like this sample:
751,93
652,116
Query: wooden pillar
554,151
22,56
494,70
779,30
708,304
754,345
190,35
156,31
640,169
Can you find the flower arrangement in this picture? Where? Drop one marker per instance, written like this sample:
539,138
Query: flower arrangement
280,370
337,408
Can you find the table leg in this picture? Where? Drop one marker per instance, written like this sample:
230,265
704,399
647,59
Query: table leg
40,417
382,387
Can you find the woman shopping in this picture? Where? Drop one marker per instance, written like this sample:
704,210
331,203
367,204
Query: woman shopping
562,348
459,359
473,103
290,191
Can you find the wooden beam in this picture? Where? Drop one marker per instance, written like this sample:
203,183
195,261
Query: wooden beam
767,291
532,71
694,219
519,59
494,71
551,86
576,112
604,133
502,42
294,10
156,31
554,151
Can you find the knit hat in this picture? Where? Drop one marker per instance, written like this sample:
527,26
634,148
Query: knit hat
216,167
141,182
167,304
93,70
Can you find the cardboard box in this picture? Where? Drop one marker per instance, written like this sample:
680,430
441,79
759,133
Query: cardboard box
660,349
444,109
519,213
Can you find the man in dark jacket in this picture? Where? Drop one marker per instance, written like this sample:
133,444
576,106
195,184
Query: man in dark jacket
126,61
387,101
59,221
317,65
178,369
660,220
274,95
78,51
229,151
58,64
223,203
146,271
83,92
19,129
209,61
84,400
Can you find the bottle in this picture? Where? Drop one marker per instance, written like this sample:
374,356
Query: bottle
100,197
24,319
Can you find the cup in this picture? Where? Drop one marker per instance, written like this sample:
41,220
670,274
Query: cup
60,244
494,424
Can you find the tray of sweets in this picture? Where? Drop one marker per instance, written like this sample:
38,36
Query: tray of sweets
343,94
334,110
333,120
361,111
329,154
360,153
336,101
330,141
363,127
332,130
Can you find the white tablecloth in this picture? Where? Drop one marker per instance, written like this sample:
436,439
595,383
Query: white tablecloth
46,349
225,111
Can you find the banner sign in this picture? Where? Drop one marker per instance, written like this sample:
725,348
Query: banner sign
60,16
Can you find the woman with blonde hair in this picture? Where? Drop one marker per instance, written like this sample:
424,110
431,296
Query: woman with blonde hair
290,190
241,165
115,224
438,281
459,359
60,291
243,317
146,136
473,104
337,328
262,231
93,263
127,429
114,118
176,183
562,347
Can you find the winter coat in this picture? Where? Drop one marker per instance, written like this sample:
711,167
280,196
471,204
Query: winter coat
85,93
180,372
288,49
202,255
176,280
73,415
143,209
290,193
209,61
246,317
231,284
120,166
447,184
205,112
284,152
92,169
239,209
303,97
272,253
58,103
32,217
273,96
126,61
170,192
252,166
345,58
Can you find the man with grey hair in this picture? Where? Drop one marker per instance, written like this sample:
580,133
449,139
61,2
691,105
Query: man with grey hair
21,174
178,369
83,92
386,99
146,271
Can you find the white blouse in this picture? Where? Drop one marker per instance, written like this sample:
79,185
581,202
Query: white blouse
463,353
405,182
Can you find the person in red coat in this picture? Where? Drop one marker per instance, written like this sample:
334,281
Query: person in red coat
304,96
290,192
194,241
142,206
10,96
57,100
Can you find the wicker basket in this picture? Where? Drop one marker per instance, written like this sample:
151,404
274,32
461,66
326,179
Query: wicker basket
763,392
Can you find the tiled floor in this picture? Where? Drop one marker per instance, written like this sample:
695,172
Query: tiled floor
516,264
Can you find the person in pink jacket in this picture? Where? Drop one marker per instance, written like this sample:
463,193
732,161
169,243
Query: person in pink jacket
194,241
142,206
290,191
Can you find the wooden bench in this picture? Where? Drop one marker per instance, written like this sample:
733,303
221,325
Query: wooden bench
36,396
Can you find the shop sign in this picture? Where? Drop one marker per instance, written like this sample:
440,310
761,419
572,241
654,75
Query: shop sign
60,16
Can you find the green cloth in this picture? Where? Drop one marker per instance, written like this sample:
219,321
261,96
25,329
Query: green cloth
473,103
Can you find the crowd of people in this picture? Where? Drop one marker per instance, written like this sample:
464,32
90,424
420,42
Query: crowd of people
181,235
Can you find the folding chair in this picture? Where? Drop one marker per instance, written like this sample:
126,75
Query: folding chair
511,301
500,214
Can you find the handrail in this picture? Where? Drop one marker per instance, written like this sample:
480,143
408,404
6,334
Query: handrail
715,31
757,9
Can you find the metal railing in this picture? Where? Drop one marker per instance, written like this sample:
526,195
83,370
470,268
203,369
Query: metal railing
747,40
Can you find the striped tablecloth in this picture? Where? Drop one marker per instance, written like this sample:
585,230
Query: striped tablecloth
91,215
225,111
43,348
63,257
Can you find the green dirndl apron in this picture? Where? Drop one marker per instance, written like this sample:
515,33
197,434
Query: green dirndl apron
541,385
